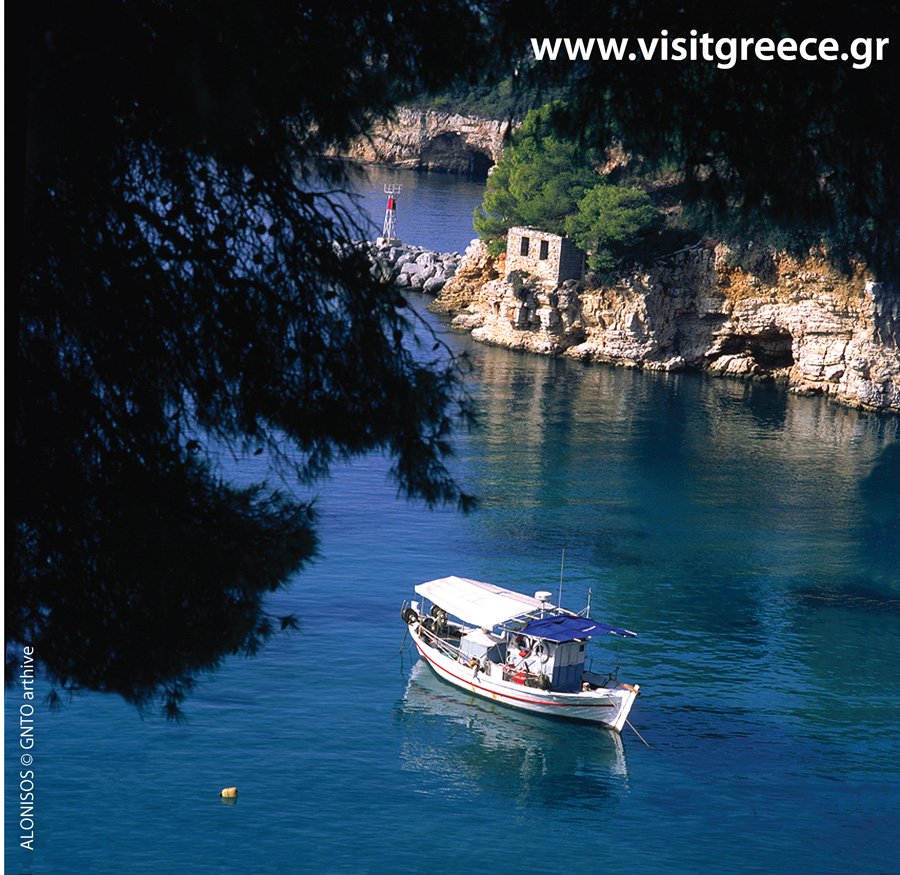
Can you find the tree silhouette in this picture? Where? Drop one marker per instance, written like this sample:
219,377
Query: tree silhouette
182,284
803,144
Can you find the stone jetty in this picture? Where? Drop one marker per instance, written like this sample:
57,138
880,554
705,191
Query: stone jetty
413,267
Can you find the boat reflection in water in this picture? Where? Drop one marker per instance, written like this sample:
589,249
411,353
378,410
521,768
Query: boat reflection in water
460,743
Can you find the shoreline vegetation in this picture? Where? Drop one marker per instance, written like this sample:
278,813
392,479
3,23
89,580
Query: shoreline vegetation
752,238
670,284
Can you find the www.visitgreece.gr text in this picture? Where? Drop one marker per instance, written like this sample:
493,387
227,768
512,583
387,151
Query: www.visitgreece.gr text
725,51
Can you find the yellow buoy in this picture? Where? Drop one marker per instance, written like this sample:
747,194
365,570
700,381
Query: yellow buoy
229,793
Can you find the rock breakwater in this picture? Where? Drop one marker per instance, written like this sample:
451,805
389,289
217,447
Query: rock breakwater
413,267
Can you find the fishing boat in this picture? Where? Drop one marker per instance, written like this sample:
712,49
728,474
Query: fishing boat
517,650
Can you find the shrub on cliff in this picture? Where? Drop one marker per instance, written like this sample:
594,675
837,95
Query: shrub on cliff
609,222
549,181
501,100
538,181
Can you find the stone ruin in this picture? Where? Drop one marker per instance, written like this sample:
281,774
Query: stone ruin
548,256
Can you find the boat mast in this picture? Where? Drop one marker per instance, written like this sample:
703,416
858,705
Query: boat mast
561,567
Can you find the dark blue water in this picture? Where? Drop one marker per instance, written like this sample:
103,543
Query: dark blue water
748,536
433,210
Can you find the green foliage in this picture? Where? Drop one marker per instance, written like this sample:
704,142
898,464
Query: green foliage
611,220
503,99
547,180
753,238
496,246
538,180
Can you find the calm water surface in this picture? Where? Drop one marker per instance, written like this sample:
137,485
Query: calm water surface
749,537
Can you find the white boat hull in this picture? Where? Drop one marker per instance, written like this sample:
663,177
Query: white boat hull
606,706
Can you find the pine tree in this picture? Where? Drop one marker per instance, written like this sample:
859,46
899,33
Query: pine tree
538,180
184,285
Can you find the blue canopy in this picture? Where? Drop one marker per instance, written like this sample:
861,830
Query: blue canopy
569,628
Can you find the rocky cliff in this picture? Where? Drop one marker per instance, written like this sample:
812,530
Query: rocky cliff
432,140
803,324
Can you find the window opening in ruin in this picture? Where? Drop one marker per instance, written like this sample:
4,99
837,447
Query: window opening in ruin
523,249
545,250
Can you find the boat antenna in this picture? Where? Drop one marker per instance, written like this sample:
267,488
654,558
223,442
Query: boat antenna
561,567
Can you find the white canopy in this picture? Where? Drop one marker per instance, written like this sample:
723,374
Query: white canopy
472,601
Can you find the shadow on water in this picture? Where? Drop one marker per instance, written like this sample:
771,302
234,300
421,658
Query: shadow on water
619,545
880,492
878,527
851,596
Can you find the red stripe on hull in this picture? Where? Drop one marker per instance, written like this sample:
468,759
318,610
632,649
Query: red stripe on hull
492,693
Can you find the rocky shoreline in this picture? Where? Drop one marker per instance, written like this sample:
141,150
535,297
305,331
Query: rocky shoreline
803,324
427,139
806,326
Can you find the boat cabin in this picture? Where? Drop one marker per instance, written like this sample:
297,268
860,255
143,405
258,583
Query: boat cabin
562,663
482,645
554,646
532,642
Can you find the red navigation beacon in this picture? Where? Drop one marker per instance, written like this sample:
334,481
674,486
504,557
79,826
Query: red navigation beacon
389,231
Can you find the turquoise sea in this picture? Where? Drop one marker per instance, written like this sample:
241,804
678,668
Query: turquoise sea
750,538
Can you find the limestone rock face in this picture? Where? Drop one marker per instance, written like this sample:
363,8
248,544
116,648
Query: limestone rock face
806,325
466,286
432,140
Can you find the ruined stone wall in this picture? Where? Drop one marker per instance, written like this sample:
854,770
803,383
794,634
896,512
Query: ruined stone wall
548,256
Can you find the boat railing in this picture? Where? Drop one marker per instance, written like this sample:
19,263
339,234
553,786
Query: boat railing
436,641
610,674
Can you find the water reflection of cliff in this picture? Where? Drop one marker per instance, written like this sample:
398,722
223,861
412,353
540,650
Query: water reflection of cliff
656,484
456,744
